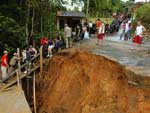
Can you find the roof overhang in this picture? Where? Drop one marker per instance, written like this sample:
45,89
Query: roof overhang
70,14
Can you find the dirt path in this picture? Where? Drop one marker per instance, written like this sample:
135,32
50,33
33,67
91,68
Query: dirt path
13,101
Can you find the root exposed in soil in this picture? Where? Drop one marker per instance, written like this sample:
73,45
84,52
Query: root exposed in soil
80,82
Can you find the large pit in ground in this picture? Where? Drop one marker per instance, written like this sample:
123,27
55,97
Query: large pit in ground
80,82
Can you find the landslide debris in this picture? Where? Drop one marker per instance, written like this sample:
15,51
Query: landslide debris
80,82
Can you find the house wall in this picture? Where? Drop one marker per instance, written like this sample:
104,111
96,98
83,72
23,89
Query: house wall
71,21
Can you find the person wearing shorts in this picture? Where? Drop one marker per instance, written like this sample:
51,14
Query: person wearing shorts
101,33
139,33
51,45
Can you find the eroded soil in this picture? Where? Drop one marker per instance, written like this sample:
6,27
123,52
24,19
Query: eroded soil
80,82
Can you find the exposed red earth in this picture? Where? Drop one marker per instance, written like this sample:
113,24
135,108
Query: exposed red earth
80,82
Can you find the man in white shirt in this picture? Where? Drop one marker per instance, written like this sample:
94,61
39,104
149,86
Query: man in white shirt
139,29
139,33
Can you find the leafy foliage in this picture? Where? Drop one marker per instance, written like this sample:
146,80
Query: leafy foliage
103,8
16,21
143,15
11,28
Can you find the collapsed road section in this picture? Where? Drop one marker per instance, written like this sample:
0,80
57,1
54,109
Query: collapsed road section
80,82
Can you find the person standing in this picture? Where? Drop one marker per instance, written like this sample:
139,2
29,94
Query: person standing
78,32
86,34
24,56
24,59
82,36
32,51
123,26
98,25
86,24
101,33
139,33
13,62
90,28
51,45
127,30
67,36
4,65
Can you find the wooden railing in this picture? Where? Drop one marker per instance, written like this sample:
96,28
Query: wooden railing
21,67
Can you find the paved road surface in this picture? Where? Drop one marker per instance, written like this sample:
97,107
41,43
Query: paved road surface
137,59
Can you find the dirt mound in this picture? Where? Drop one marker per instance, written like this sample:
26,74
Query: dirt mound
80,82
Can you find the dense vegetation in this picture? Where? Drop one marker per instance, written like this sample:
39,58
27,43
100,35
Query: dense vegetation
22,21
103,8
142,14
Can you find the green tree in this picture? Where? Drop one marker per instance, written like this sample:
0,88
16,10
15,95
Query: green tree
142,14
103,8
22,21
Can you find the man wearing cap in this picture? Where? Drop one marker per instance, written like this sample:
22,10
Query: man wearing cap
4,65
67,36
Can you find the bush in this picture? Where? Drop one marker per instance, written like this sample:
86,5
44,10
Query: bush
143,15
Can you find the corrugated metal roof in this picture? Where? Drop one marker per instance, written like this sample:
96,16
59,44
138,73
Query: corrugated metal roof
70,14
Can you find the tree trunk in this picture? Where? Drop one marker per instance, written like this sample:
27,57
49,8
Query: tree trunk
42,25
27,22
32,25
21,2
87,9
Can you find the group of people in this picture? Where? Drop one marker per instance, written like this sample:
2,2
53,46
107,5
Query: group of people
118,25
126,32
52,45
98,29
86,29
8,67
81,32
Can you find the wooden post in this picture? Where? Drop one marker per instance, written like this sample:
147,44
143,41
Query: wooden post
87,9
19,64
34,95
41,60
58,27
34,43
17,72
28,89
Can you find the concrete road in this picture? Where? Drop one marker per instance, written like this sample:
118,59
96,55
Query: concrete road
136,58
